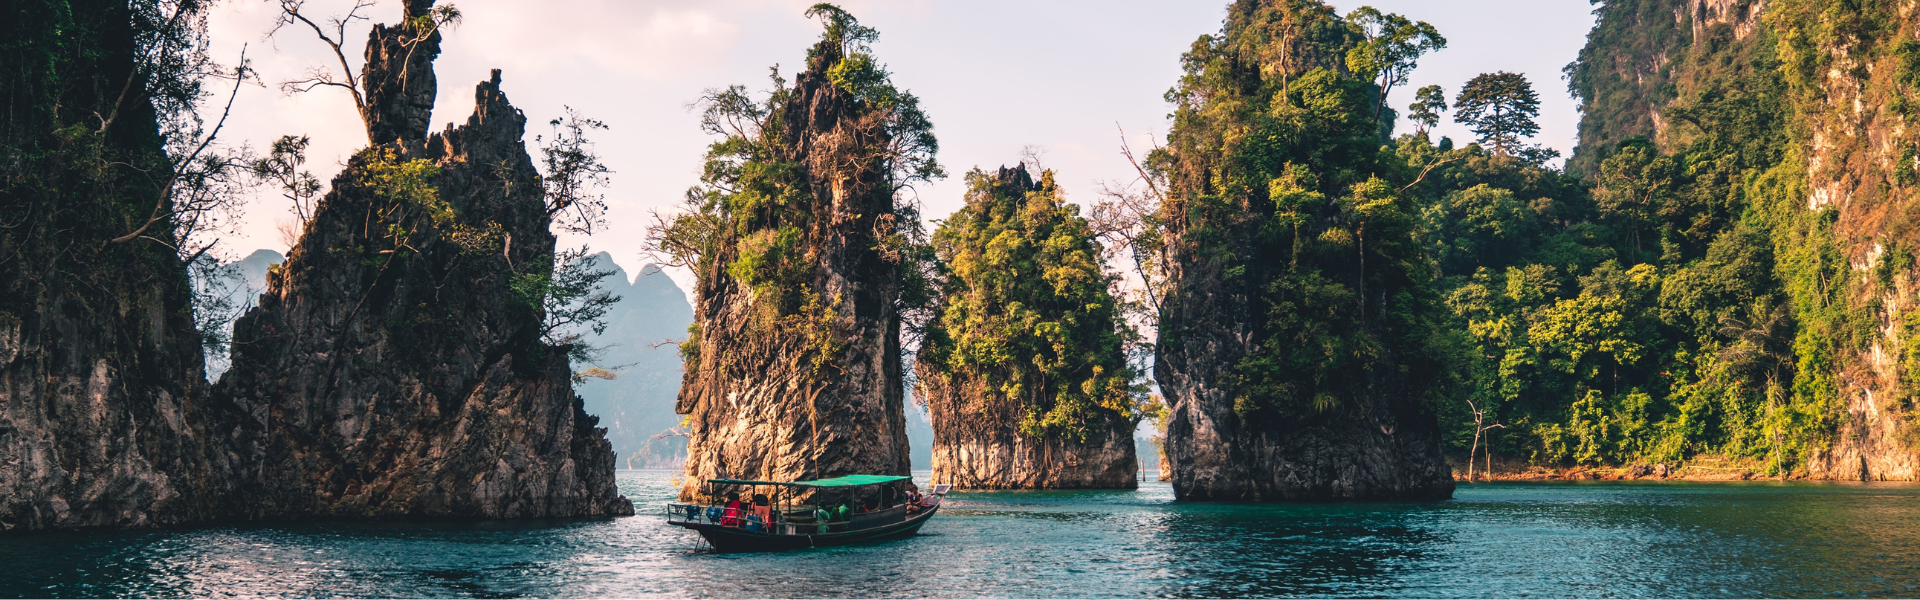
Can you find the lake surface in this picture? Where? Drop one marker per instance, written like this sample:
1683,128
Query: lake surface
1597,539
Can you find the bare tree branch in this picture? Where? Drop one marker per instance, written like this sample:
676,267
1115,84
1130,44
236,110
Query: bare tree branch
319,76
1429,169
160,211
126,87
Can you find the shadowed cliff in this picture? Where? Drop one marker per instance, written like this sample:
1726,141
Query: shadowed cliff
101,416
395,366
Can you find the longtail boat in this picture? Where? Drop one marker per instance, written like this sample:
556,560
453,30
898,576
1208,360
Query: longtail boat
792,515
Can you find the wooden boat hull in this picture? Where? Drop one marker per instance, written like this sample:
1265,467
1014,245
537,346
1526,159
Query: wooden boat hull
732,539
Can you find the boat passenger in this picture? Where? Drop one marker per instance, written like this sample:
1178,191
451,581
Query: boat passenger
731,517
763,510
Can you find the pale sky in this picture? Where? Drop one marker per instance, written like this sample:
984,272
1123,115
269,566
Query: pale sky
993,75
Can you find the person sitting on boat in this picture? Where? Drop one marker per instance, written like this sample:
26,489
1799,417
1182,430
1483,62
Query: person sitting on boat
820,519
731,517
840,515
913,498
762,512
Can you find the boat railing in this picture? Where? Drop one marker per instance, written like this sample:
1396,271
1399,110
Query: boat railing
714,515
785,522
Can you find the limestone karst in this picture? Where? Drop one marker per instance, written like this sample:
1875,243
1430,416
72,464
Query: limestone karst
395,365
1296,347
1023,370
394,368
803,254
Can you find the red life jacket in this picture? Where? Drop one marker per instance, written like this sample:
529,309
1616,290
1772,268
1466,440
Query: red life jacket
731,518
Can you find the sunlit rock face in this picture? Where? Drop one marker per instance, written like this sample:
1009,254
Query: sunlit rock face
984,449
972,452
1846,161
758,403
395,367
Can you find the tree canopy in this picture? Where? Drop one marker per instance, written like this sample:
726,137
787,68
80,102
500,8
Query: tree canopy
1026,314
1428,103
1500,108
1393,47
1277,191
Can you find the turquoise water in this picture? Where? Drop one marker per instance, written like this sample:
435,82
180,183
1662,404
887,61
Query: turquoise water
1519,539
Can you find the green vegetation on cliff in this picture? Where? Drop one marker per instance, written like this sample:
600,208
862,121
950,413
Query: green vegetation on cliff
1701,292
1714,274
809,264
1279,191
763,209
1026,318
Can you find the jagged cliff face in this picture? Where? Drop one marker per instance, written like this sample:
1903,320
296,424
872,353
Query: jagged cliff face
1842,75
1853,69
398,79
1296,347
394,367
794,371
100,420
1023,372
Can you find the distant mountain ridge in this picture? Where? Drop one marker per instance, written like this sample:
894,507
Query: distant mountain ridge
239,284
640,345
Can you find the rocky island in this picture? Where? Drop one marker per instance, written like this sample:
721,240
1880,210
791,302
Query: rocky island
1341,302
1296,344
803,254
1023,370
395,365
394,369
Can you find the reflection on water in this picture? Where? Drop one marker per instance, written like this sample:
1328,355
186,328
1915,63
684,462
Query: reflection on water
1553,540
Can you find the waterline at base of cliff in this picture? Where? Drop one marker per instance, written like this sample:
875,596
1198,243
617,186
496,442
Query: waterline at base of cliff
1581,539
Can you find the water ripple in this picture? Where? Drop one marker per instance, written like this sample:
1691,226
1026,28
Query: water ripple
1507,540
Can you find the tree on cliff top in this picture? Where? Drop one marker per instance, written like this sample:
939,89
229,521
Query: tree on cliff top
1026,314
1427,105
1393,47
764,206
1499,107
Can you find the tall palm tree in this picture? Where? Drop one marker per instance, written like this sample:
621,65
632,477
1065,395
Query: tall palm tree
1762,349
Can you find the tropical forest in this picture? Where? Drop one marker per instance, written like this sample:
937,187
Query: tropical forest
777,298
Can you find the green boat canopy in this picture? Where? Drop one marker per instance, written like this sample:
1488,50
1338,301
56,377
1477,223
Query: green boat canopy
842,481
